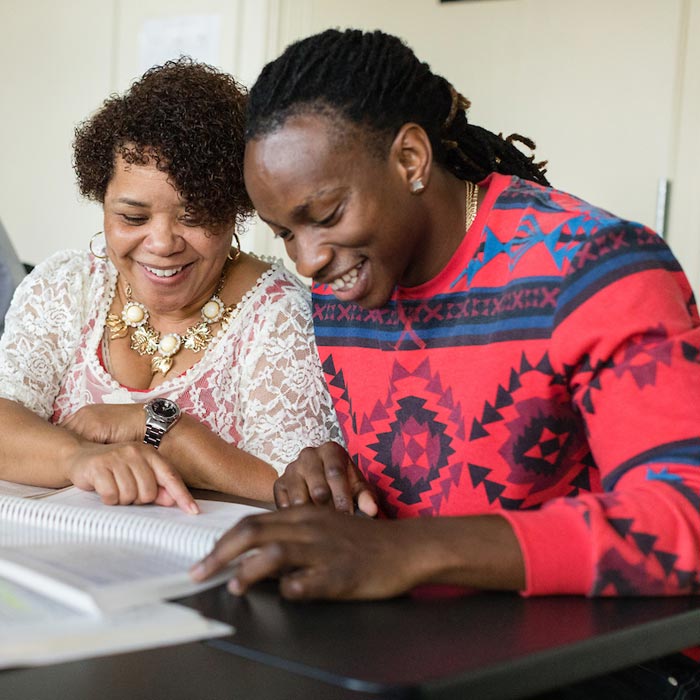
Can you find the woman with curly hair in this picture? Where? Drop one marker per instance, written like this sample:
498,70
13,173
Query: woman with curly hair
216,345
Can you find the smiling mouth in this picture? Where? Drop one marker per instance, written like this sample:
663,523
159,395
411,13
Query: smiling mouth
164,273
346,282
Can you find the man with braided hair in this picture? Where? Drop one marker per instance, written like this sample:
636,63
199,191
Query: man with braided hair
497,351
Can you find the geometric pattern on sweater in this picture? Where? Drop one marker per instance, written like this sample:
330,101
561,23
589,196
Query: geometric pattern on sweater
415,433
641,361
537,443
562,241
520,310
523,308
619,576
548,373
677,452
412,442
620,250
691,352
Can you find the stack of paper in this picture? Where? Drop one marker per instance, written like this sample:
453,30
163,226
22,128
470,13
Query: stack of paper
80,579
37,630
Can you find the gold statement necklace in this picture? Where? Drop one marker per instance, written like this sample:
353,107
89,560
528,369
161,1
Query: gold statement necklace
472,202
146,340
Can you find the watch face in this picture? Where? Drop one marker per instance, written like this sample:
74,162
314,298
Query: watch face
164,408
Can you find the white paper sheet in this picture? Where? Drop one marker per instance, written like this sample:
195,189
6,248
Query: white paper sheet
38,631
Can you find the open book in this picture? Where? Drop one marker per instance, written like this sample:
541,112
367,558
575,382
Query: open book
100,559
38,630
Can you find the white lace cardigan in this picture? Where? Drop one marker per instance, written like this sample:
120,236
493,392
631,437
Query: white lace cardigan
259,384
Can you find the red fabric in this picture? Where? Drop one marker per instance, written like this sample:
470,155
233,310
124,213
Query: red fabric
549,373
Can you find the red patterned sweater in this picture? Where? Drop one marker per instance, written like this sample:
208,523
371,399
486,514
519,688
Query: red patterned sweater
550,373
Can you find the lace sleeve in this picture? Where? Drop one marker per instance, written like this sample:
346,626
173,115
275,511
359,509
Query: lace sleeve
42,329
284,396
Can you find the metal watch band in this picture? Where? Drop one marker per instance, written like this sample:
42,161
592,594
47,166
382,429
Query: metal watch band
154,434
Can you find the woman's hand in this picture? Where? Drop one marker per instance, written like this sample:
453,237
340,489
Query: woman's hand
316,553
108,423
325,475
128,473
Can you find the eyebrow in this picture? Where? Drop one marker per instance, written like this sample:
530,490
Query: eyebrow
130,202
303,208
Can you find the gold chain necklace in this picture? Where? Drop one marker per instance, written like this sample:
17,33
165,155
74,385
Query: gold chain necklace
472,202
146,340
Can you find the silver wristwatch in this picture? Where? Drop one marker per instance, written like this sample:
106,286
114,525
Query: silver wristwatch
161,415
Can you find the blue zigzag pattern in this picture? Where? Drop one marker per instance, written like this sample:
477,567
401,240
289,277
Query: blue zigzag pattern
562,242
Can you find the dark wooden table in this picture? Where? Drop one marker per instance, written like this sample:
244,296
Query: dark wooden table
493,645
481,646
185,672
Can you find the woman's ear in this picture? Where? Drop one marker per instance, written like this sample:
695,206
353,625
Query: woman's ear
412,154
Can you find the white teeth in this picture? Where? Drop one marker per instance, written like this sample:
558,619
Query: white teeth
163,273
346,281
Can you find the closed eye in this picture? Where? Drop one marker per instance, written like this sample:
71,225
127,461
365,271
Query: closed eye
134,220
331,219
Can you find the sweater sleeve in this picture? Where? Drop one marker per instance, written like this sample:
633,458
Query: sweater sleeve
627,339
42,330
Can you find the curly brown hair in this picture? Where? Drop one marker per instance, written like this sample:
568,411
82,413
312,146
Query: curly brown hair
188,118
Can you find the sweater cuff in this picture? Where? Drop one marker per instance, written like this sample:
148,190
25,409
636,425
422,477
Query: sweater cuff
555,543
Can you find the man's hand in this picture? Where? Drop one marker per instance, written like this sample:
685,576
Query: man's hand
325,476
321,553
317,553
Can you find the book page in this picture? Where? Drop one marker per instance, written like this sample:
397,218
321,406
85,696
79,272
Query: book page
217,515
100,579
97,558
74,515
38,631
22,607
10,488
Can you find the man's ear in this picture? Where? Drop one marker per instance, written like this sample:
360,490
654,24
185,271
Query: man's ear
413,156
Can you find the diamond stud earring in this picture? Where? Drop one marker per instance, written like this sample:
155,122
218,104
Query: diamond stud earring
417,186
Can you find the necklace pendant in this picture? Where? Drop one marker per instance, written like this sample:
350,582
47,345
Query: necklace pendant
145,340
213,310
229,315
472,203
169,344
197,337
116,325
134,314
161,364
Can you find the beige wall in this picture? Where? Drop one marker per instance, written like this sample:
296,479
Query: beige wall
55,64
58,61
591,82
684,219
609,90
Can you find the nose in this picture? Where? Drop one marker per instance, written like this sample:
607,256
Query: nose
309,257
164,238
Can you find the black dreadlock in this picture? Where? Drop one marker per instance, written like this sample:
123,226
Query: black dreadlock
375,81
